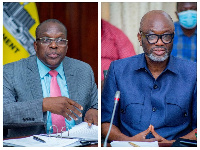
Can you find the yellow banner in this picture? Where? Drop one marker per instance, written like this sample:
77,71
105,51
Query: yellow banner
20,21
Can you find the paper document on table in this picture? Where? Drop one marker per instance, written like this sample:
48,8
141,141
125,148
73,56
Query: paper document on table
134,144
83,131
30,142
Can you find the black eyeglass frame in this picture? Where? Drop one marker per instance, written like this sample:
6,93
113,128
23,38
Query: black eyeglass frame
52,39
159,37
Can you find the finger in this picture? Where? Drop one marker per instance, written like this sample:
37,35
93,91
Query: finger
89,121
147,131
156,135
95,118
151,127
67,116
74,104
73,110
150,140
71,114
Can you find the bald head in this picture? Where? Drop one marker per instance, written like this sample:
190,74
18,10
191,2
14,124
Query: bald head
155,16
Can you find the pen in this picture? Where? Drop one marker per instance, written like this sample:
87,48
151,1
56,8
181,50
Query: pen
38,139
134,145
85,142
188,142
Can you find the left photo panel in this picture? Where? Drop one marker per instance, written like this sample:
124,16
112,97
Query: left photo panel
50,74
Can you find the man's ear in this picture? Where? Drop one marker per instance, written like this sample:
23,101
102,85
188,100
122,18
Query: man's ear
66,48
177,14
35,46
139,38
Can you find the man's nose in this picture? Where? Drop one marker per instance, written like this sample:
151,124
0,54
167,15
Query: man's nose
53,44
159,42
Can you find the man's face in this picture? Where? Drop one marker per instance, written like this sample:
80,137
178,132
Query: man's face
186,6
53,54
159,25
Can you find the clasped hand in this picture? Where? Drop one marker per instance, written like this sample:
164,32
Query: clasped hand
142,136
69,109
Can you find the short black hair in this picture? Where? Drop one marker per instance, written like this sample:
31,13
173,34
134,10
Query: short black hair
47,21
178,3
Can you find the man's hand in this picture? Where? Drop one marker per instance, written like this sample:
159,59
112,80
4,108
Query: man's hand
62,106
91,117
142,136
158,137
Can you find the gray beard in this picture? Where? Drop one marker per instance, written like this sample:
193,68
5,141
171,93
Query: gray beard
158,59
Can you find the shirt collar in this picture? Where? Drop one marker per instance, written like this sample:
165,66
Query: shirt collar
142,64
171,66
44,70
179,31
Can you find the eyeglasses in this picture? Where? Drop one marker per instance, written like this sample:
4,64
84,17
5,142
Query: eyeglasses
48,41
153,38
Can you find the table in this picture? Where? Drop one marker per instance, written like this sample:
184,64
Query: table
92,145
160,145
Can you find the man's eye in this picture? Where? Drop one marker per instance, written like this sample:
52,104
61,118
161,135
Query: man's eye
59,40
46,40
152,37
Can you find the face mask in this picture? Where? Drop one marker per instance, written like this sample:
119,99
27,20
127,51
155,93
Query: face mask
188,19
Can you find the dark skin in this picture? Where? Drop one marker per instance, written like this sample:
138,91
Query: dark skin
184,6
52,55
156,22
159,49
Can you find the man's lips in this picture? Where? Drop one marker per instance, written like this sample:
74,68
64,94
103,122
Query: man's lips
53,55
159,51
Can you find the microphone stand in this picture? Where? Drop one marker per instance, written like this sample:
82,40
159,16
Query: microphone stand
117,95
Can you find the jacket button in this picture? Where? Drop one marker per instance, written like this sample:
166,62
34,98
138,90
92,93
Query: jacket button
185,114
122,111
154,109
155,86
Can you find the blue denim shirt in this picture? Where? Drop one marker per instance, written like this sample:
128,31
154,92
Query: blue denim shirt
184,46
169,103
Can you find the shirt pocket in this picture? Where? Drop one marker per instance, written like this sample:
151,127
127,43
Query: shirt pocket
131,112
175,113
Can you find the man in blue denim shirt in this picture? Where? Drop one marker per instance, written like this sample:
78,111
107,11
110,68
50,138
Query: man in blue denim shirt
158,91
185,38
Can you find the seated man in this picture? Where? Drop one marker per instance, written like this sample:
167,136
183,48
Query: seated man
158,91
185,39
48,88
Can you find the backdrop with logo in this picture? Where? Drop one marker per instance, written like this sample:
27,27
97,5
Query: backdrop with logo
19,23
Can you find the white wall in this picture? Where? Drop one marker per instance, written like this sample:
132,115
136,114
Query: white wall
127,16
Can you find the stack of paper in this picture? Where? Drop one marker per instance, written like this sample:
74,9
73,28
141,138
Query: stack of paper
82,131
30,142
127,144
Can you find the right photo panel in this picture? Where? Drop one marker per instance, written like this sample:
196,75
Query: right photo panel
149,74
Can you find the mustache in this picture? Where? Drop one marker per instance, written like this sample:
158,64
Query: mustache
52,53
158,48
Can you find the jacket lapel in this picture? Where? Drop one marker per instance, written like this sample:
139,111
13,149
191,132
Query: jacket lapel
70,74
33,78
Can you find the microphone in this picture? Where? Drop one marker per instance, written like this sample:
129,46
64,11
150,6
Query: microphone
117,97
